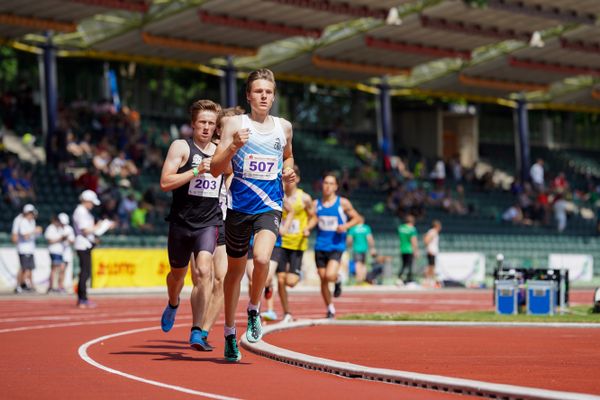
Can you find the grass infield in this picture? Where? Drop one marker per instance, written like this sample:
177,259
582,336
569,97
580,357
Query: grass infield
573,314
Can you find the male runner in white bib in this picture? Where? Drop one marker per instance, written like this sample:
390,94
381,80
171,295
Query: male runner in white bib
195,217
257,148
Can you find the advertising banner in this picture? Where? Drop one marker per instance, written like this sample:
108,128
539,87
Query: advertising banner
580,266
468,268
119,268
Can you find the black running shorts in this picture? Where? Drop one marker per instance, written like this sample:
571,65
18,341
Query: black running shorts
240,226
182,242
290,261
221,236
323,257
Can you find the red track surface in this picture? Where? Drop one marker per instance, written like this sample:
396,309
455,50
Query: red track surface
40,338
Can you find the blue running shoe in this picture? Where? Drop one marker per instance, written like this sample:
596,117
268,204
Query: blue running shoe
254,330
232,353
168,318
198,342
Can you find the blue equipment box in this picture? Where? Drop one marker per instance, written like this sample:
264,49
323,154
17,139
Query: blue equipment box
507,292
541,297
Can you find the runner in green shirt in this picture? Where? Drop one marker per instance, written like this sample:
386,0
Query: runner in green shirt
360,237
409,248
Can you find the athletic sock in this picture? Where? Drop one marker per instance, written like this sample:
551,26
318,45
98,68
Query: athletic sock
173,307
229,330
253,307
196,328
331,308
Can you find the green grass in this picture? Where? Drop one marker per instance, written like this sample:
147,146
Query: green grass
574,314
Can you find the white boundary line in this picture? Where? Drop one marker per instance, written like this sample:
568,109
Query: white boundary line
85,357
406,378
76,323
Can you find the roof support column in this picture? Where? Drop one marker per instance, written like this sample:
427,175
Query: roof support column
384,120
230,84
48,84
523,158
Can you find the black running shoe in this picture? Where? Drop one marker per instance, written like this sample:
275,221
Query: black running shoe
330,315
254,330
337,292
232,353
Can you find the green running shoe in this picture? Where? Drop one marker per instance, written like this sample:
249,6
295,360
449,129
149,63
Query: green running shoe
232,353
254,331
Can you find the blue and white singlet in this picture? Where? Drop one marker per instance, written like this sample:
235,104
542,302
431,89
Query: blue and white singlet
256,186
329,219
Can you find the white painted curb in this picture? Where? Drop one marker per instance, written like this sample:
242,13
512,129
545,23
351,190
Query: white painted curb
406,378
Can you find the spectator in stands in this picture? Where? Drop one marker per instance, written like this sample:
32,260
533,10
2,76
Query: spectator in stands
456,169
560,212
536,173
87,231
127,205
420,171
544,203
13,191
513,214
89,180
560,184
399,168
526,204
409,249
139,216
24,232
121,167
102,160
516,187
360,238
438,174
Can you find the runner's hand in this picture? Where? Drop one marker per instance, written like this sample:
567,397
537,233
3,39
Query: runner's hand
240,138
288,175
205,165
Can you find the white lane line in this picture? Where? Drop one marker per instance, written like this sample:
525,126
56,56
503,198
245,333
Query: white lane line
85,357
78,323
407,378
73,316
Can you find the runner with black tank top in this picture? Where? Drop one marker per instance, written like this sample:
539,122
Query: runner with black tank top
257,148
219,270
195,217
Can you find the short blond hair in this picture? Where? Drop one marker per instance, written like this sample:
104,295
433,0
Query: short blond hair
262,73
204,105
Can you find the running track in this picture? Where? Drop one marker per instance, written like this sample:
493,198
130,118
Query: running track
42,339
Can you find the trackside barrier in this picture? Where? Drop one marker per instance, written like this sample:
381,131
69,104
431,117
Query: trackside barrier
411,379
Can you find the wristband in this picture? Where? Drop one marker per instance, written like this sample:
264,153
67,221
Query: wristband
195,171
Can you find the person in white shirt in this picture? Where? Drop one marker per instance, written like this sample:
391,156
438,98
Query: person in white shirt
24,232
536,173
54,237
69,240
86,231
560,212
432,244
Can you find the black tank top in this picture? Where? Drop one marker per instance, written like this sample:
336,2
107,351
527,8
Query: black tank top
196,204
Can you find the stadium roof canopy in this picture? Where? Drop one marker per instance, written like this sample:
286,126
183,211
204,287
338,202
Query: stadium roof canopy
546,51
